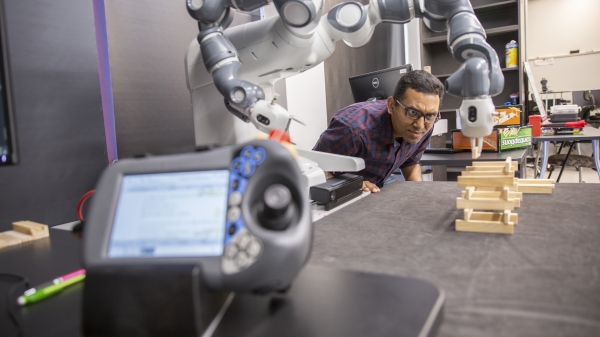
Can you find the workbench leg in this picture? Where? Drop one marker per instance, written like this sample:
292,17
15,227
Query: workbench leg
595,152
565,162
544,159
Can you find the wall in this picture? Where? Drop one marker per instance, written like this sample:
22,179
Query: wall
58,112
147,43
556,27
306,98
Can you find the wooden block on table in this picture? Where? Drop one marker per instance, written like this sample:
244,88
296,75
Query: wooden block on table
500,164
30,228
515,196
487,222
19,235
535,188
514,167
486,181
536,181
485,203
494,194
24,231
8,240
497,173
494,227
492,216
496,188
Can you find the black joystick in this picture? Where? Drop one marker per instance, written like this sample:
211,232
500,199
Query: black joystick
277,209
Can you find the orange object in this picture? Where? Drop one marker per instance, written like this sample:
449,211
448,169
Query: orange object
509,116
462,142
279,136
536,122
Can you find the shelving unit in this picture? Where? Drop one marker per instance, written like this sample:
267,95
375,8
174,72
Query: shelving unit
503,21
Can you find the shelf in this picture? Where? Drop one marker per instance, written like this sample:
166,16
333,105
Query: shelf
503,70
494,6
488,32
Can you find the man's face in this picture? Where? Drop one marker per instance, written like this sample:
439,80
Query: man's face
411,130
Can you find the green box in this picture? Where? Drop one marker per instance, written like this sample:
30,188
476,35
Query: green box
515,138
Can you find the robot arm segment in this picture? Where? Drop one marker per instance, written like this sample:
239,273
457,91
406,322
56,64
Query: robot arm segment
296,13
220,59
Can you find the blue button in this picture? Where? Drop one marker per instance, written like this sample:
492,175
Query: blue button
259,155
247,152
237,165
248,168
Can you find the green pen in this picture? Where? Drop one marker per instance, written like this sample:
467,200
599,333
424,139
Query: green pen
48,291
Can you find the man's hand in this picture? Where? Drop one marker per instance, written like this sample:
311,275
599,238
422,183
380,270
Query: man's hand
368,186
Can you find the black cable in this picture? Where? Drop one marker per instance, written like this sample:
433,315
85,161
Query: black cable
21,282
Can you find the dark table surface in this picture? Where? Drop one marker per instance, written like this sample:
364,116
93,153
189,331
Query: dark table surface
544,280
323,301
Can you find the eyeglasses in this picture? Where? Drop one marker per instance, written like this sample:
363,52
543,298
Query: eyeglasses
428,118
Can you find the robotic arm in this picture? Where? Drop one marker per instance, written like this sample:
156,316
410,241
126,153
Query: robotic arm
245,61
479,77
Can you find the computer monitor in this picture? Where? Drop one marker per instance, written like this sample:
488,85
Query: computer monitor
378,84
8,146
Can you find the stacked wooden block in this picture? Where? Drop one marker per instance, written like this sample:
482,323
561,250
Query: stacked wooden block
23,231
492,188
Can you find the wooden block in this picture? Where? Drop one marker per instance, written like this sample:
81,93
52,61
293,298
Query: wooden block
19,235
535,188
485,203
493,227
8,240
492,163
486,181
497,173
506,217
30,228
493,194
468,212
493,216
536,181
468,193
490,168
495,188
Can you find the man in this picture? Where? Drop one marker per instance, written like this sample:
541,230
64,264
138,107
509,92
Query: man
390,133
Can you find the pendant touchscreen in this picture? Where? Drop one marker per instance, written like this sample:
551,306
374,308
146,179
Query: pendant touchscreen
239,212
170,215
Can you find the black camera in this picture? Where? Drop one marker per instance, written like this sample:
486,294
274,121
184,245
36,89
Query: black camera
472,116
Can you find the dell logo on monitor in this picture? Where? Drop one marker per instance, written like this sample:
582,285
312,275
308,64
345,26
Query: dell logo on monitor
375,82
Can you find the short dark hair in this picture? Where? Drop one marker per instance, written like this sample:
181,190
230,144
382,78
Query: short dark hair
420,81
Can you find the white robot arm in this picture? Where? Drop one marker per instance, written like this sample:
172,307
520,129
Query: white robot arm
245,61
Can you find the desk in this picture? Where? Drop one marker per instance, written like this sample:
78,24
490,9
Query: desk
589,133
465,159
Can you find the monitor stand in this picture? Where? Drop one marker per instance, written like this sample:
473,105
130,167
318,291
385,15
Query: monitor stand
331,302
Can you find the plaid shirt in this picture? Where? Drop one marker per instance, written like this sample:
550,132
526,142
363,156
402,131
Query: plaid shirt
365,130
